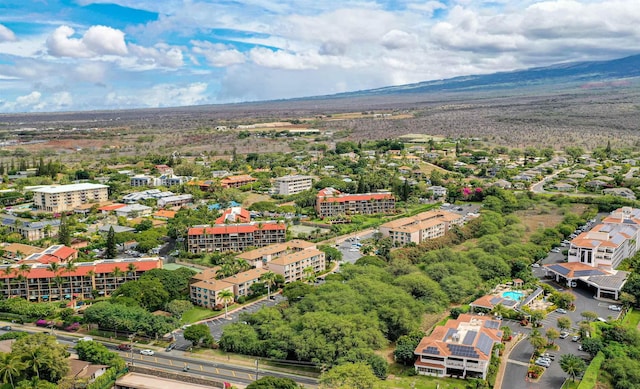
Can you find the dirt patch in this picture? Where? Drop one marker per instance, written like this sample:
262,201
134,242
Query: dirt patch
533,219
254,198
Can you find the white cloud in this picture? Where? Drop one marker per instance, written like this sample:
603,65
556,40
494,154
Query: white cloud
160,55
6,35
217,54
30,99
163,95
396,39
97,41
428,7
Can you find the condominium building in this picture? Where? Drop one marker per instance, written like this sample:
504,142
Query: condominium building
206,293
332,202
85,281
422,227
66,197
175,201
292,266
237,181
58,253
460,348
234,237
234,215
261,256
289,185
141,180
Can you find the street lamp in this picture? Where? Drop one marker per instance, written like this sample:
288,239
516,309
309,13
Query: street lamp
131,349
256,369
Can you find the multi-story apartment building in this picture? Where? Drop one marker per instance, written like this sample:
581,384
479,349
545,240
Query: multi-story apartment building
85,281
66,197
234,215
605,245
460,348
332,202
237,181
163,180
141,180
422,227
292,266
30,229
261,256
242,281
206,293
289,185
234,237
58,253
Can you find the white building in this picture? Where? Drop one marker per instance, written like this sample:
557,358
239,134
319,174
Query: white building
66,197
289,185
460,348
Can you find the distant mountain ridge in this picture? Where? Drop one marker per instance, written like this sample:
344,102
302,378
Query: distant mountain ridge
590,73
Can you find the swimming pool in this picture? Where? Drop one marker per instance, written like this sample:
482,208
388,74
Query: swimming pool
513,295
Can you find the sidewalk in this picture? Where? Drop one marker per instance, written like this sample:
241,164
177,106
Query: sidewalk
504,360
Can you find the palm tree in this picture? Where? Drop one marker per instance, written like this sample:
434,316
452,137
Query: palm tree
269,278
572,365
309,275
59,281
24,270
8,271
10,367
226,296
69,268
241,265
131,270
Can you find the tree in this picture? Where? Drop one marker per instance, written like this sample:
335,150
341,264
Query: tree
44,358
589,315
226,296
69,268
270,382
178,307
332,254
564,323
269,279
572,365
95,352
592,346
196,333
10,367
405,347
132,270
349,376
64,233
537,342
552,334
309,275
111,250
149,294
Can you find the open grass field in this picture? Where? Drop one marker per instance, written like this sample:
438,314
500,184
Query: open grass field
198,313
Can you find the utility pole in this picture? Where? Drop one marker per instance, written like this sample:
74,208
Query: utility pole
256,369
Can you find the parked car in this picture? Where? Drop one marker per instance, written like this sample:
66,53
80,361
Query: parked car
555,250
170,347
535,265
5,328
551,357
564,334
125,347
543,362
575,338
615,308
560,310
146,352
573,284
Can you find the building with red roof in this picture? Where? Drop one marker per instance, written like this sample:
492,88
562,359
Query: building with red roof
58,253
332,202
237,181
235,237
78,280
234,215
460,348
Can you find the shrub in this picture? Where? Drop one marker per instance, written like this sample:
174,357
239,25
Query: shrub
43,323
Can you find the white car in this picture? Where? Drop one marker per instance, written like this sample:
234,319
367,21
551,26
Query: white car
560,310
146,352
615,308
535,265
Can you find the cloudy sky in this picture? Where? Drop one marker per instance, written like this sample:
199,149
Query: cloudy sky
61,55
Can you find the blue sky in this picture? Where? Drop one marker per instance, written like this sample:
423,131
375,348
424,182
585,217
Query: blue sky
65,55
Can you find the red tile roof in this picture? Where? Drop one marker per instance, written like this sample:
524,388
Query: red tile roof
99,267
65,252
111,207
235,229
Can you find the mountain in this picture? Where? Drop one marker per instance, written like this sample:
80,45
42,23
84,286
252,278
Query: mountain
583,74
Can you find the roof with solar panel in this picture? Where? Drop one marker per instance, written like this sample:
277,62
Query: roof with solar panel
468,336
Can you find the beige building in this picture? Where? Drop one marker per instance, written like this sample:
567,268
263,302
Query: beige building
235,237
242,281
207,293
332,202
66,197
422,227
261,256
292,265
289,185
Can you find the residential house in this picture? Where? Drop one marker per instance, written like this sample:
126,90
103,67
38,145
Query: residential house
66,197
438,191
332,202
563,187
164,214
57,253
141,180
460,348
85,372
621,192
292,266
289,185
175,201
421,227
145,195
235,237
133,210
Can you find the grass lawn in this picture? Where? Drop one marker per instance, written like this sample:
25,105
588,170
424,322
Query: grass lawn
198,313
631,319
568,384
420,382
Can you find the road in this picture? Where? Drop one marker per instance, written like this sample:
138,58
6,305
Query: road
176,360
